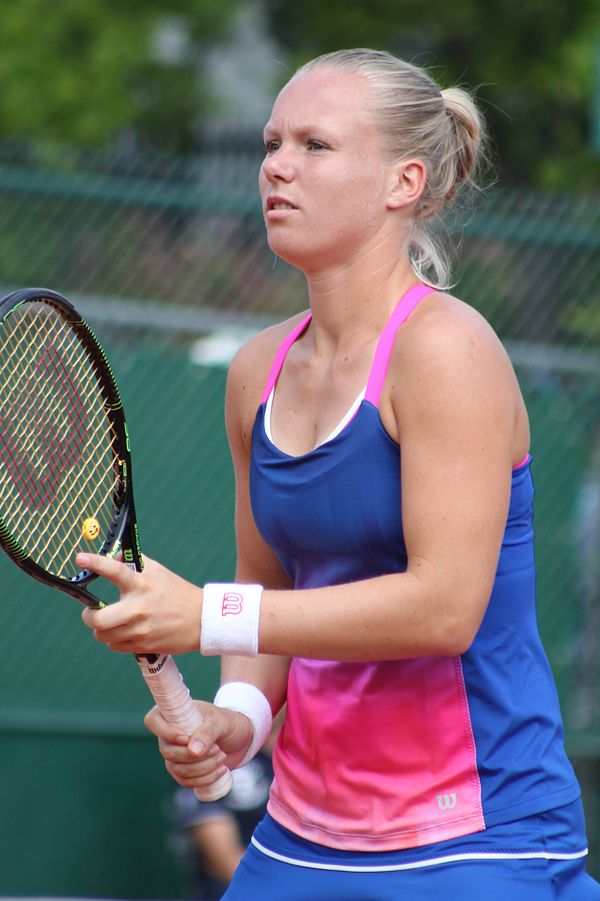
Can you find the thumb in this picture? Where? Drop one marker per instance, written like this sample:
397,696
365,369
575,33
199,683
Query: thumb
208,732
228,730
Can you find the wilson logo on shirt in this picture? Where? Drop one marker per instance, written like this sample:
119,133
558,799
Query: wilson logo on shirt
232,604
446,802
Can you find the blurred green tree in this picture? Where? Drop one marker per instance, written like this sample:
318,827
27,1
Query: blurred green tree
88,72
85,71
532,64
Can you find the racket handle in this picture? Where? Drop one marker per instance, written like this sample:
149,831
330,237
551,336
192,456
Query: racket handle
173,699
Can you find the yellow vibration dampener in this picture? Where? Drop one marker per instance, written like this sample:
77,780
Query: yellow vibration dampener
91,528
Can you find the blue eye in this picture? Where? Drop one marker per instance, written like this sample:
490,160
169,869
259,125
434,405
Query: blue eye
271,146
316,145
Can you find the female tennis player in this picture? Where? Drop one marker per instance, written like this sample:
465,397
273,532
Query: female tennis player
386,581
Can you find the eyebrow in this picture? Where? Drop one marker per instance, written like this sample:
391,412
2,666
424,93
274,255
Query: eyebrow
302,131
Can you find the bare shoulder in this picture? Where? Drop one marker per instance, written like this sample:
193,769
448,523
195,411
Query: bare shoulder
248,373
448,364
251,364
446,334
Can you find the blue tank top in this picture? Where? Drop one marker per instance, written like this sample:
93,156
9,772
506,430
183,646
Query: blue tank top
427,749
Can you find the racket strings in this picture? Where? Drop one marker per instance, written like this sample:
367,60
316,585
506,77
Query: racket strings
36,417
57,445
51,545
59,456
38,437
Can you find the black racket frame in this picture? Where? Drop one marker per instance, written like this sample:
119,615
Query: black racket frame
123,533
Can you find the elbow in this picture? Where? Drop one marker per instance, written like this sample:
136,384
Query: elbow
457,644
450,642
457,629
449,612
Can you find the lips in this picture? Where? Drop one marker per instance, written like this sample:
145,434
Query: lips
279,203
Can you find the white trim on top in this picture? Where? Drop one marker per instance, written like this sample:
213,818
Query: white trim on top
336,431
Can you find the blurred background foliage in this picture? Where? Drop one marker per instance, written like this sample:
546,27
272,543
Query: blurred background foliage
89,71
96,72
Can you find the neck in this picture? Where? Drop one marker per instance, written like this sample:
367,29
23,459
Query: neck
354,300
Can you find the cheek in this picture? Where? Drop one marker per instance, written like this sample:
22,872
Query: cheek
360,183
263,184
261,176
353,202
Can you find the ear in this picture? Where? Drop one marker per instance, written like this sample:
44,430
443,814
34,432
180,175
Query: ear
407,183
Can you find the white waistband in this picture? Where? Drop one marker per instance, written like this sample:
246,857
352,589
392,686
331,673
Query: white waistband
448,858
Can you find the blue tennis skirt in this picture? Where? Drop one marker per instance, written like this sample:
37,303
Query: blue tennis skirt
539,858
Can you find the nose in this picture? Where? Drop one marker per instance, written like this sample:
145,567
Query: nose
278,165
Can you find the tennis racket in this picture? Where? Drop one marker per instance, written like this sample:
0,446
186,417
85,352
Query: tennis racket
65,475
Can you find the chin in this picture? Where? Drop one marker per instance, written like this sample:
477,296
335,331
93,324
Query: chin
290,252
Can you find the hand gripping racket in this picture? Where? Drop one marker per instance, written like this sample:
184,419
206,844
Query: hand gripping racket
65,468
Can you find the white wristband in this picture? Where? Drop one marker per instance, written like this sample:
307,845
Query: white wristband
248,699
230,615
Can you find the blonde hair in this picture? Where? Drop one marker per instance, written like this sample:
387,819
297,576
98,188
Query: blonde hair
443,128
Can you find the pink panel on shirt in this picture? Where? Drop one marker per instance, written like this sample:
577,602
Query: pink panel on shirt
344,725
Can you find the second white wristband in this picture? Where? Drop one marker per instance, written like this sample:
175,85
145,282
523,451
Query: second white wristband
249,700
230,618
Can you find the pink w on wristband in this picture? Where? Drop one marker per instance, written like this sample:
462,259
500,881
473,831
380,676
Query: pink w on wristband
230,618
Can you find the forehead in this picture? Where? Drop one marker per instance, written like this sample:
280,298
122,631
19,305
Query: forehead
324,97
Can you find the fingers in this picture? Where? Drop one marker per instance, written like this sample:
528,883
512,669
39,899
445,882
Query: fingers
114,570
164,731
197,775
195,761
207,736
114,615
221,729
157,611
108,618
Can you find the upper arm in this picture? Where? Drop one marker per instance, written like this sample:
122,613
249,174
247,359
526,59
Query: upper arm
256,561
455,405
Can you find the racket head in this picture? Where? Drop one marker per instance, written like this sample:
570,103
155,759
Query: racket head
65,461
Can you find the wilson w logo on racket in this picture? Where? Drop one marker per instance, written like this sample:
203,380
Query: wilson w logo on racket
65,473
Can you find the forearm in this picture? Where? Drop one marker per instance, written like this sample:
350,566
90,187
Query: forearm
269,673
388,617
402,615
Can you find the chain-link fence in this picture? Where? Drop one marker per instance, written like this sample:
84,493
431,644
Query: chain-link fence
167,259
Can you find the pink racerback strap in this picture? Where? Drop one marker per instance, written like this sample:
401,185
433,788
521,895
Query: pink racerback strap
382,354
281,355
386,342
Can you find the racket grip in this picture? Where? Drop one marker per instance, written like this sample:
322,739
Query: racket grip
173,699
